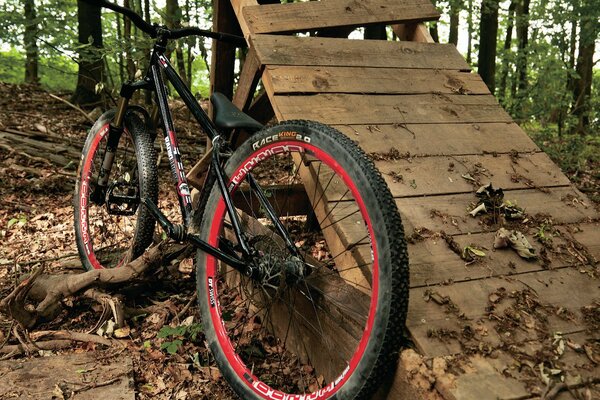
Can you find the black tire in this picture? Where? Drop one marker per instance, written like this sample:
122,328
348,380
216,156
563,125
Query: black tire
106,240
354,340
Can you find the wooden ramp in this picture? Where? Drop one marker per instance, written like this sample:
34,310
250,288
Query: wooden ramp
505,326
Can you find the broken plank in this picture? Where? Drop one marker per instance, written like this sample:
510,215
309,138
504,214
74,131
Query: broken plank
332,79
313,15
440,139
290,50
337,109
450,213
444,175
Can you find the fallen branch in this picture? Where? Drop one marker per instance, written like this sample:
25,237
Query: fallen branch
73,336
48,290
72,106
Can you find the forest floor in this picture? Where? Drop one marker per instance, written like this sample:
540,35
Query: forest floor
40,141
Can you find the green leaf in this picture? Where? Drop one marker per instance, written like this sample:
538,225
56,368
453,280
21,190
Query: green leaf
171,347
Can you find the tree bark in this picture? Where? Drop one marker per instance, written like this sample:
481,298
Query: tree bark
488,31
128,45
173,21
522,23
505,56
455,6
375,32
582,86
91,66
31,48
469,31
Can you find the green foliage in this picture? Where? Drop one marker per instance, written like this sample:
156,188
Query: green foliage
571,151
175,336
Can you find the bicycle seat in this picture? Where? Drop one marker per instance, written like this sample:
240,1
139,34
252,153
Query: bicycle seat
228,116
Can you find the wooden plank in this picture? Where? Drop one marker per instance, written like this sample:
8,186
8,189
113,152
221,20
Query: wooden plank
249,77
444,175
291,50
330,79
238,6
416,32
433,263
336,109
449,213
566,288
440,139
313,15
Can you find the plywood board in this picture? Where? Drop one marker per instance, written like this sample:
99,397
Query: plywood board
305,16
325,79
291,50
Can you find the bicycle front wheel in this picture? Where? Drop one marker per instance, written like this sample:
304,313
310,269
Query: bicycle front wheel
324,321
111,228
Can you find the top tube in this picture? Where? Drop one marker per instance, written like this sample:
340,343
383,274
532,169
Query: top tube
154,30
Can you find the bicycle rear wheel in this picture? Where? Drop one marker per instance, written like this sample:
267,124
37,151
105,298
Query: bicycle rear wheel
327,323
111,228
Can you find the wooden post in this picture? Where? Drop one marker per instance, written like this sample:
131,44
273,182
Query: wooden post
223,54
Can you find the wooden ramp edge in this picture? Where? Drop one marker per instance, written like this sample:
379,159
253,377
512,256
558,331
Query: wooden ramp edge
499,326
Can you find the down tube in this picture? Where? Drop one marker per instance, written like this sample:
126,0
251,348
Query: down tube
183,190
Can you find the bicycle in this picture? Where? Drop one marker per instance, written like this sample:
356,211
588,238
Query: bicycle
301,268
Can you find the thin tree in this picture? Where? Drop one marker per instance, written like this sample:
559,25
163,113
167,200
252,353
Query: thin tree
488,31
455,6
469,30
30,41
91,66
582,88
173,20
522,28
506,54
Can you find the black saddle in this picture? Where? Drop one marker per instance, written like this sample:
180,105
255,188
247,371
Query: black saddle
228,116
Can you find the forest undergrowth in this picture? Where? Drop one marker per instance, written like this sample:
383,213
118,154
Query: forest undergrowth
164,338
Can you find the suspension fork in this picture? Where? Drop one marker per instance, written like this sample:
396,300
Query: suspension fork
115,130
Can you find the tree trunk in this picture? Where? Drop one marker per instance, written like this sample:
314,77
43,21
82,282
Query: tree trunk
376,32
469,31
505,56
488,30
91,66
128,44
588,34
455,6
173,21
522,22
31,48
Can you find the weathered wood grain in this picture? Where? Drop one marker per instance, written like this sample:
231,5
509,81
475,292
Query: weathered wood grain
291,50
440,139
444,175
359,109
312,15
312,79
450,213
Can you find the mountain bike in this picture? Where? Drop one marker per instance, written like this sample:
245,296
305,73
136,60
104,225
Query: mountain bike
301,268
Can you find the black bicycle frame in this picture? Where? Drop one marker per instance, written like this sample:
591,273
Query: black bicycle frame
154,81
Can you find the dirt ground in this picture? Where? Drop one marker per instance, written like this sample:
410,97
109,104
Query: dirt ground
40,140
